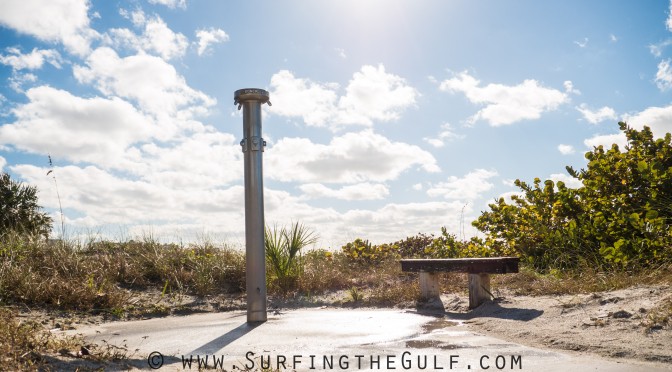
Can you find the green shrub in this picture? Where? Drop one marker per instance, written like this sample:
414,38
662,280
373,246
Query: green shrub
445,246
19,210
364,252
619,218
414,246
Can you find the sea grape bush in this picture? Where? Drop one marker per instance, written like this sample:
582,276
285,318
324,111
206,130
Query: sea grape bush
620,217
448,246
420,246
540,225
363,251
415,246
629,197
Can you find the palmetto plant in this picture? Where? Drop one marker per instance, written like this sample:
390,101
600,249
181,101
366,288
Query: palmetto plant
283,253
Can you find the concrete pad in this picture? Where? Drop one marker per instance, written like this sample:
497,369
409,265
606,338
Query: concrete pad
330,339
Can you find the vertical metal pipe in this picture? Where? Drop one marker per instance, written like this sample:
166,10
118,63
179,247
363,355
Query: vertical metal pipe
253,146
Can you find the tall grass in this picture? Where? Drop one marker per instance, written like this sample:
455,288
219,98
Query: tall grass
102,275
105,276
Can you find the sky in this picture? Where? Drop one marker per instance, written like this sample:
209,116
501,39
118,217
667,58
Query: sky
389,117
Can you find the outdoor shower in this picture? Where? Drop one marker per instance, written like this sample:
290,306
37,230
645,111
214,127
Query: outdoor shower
250,100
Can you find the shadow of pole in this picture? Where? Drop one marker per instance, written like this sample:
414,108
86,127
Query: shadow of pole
226,339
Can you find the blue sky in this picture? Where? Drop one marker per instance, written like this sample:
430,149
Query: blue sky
389,118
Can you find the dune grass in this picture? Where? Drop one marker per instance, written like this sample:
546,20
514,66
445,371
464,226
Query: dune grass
104,276
101,275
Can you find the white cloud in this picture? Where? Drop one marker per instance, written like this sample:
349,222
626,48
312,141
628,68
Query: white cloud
202,160
664,75
171,3
17,81
359,191
154,84
315,103
208,37
64,21
341,52
104,198
469,187
31,61
569,87
597,116
95,130
566,149
657,49
111,134
506,105
583,43
659,119
161,39
434,142
397,221
3,162
417,187
446,134
350,158
613,38
137,16
371,95
157,37
389,223
568,180
606,140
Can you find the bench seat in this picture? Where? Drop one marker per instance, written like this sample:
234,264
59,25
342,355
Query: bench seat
479,270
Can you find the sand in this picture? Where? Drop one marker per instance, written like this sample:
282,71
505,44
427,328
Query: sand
619,325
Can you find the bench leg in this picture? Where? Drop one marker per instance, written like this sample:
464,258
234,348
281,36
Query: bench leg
429,285
479,289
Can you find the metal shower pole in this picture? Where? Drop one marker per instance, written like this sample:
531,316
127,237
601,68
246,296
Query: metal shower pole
253,146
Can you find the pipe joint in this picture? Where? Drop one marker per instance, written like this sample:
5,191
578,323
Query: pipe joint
253,144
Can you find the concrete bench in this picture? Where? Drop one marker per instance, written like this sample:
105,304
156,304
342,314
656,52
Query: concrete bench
479,270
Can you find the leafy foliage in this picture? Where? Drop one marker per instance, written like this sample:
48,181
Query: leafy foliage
619,217
629,197
448,246
363,251
19,211
415,246
418,246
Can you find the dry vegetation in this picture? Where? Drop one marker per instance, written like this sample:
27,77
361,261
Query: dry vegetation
109,277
